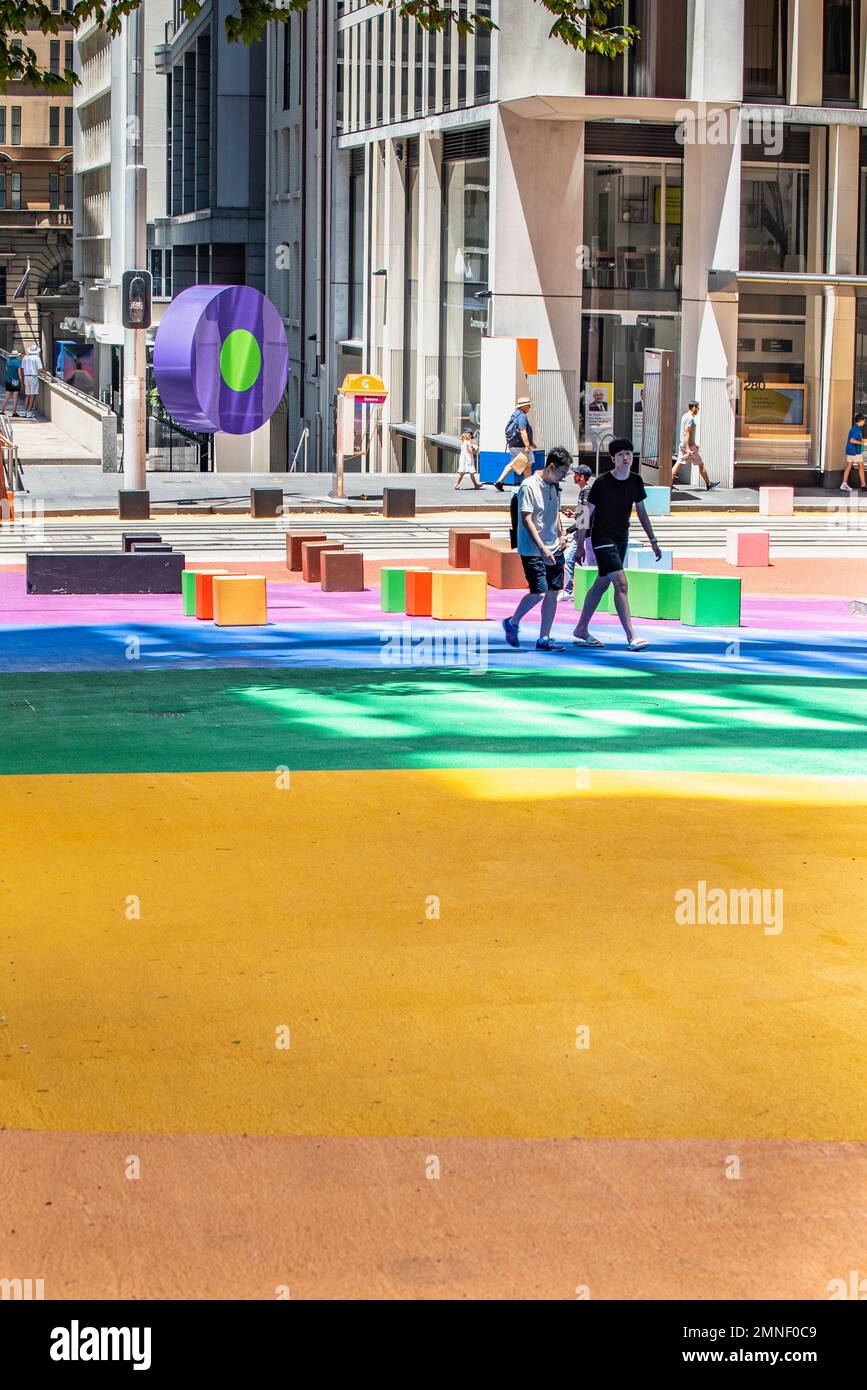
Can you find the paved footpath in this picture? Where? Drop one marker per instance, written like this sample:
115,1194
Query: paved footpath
399,973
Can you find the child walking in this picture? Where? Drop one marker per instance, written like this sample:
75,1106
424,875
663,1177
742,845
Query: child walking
854,452
468,464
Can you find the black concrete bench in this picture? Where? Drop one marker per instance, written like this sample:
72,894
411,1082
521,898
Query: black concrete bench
129,537
105,572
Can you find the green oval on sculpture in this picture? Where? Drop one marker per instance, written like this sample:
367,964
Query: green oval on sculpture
240,360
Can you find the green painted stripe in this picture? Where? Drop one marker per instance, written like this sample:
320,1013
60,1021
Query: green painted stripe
219,720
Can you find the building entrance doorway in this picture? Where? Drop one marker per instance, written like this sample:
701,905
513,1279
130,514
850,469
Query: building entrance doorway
612,371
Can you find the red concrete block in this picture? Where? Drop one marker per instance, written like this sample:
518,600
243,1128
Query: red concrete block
502,565
459,547
745,548
205,593
311,559
418,593
294,542
342,571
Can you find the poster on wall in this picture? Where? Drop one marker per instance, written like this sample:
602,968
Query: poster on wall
598,410
637,414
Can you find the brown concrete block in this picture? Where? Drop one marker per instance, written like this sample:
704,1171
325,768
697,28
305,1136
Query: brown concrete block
294,542
459,547
311,559
342,571
502,565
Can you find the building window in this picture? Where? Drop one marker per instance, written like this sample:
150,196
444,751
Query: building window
287,65
54,192
67,55
765,48
840,66
633,214
410,291
54,59
15,200
2,273
16,125
2,192
356,248
774,211
67,190
67,125
161,270
54,125
463,275
483,54
2,125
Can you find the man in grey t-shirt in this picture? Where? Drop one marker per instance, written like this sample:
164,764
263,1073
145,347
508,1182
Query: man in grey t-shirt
540,546
687,448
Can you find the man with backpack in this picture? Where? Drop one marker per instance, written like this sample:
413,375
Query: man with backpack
519,442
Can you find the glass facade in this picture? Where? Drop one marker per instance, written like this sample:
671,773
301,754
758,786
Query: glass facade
774,216
612,370
410,297
633,219
464,274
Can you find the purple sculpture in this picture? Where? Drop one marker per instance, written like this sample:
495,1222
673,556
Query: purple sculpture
221,359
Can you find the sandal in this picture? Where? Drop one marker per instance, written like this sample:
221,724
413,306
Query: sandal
637,644
588,641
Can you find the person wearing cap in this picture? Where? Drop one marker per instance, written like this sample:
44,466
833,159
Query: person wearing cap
687,449
519,442
578,532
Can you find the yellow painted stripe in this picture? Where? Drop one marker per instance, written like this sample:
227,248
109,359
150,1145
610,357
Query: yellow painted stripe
312,907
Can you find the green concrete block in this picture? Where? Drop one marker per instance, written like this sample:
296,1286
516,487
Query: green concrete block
655,593
707,601
392,590
188,592
585,577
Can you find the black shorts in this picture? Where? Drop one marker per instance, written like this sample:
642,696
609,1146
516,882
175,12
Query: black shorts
542,577
610,555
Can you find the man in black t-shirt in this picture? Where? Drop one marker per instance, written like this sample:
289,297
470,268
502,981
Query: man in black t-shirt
609,505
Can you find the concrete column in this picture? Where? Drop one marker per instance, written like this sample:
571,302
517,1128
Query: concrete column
537,217
805,52
838,330
388,294
427,386
709,321
715,50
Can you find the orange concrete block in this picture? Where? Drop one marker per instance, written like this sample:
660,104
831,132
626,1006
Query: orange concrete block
459,546
461,594
311,559
342,571
204,601
294,542
502,565
418,593
240,600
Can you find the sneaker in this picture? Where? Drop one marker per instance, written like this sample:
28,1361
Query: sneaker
511,631
566,594
711,486
547,644
844,487
499,487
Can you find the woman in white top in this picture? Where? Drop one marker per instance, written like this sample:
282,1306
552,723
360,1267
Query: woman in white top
468,464
31,367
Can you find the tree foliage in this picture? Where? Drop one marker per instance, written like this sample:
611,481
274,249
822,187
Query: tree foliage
581,26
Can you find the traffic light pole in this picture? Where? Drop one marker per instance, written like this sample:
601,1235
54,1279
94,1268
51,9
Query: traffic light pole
135,246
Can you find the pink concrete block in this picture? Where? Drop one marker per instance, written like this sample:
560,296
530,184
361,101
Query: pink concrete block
748,548
776,501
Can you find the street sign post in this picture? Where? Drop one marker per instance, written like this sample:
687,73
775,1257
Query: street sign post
359,401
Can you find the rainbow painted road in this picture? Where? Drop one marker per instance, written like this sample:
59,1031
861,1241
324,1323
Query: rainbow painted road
288,913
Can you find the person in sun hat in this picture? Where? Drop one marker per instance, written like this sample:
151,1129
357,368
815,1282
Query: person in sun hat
519,442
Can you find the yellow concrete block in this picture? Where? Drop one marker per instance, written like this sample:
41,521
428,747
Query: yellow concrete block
459,594
240,600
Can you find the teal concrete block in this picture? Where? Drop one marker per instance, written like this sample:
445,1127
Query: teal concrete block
392,590
707,601
658,501
641,557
